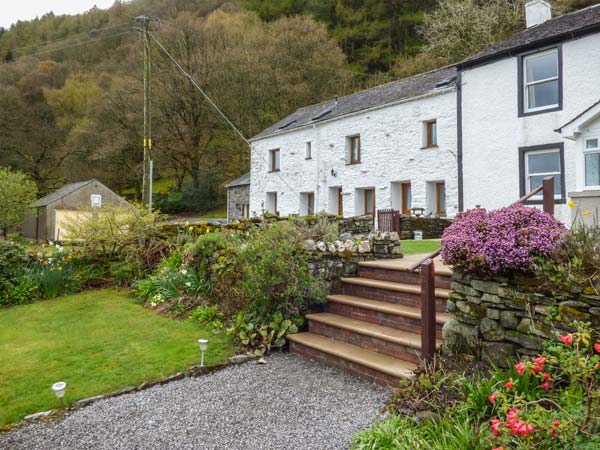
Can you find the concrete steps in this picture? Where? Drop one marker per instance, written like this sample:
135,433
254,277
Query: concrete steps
372,328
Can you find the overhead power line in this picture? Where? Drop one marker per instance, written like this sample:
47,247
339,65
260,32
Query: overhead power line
78,44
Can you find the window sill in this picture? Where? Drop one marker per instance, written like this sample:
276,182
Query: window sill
353,163
273,171
430,146
308,159
524,113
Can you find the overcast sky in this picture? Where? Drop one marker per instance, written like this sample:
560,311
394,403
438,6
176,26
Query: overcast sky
13,10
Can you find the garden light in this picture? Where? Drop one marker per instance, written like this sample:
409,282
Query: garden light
59,390
203,343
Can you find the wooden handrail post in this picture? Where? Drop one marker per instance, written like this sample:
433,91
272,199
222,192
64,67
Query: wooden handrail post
427,309
548,195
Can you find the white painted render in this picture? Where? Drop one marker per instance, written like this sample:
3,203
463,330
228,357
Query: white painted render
493,132
391,151
536,12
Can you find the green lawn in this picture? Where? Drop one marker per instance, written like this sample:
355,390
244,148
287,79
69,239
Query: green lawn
96,341
411,247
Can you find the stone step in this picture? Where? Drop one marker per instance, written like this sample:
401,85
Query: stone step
386,340
390,273
391,292
375,367
381,313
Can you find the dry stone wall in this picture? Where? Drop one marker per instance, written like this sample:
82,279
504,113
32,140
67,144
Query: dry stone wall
500,318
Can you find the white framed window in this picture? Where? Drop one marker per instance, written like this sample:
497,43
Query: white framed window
591,162
308,154
96,200
271,204
353,146
541,81
307,203
540,164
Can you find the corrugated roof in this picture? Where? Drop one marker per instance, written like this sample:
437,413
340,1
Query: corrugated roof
359,101
241,181
62,192
555,29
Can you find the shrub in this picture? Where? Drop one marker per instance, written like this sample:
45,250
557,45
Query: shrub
22,292
208,315
13,260
575,264
54,274
276,275
260,336
502,241
115,232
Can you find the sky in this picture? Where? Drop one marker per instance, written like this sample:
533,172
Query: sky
13,10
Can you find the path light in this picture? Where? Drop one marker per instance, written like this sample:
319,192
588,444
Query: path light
203,343
59,390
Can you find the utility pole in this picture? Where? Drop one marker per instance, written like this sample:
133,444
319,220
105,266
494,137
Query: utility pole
147,172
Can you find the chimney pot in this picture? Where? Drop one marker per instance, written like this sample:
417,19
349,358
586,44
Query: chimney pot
537,12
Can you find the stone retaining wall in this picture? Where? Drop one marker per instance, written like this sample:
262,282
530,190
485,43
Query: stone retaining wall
500,318
332,261
432,227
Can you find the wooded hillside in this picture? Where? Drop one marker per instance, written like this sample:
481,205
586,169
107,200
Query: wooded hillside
71,86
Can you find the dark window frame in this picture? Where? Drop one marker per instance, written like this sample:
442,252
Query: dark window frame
522,179
367,212
308,150
438,198
405,186
521,79
340,193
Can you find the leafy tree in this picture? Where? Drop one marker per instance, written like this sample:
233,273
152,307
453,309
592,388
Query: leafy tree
18,193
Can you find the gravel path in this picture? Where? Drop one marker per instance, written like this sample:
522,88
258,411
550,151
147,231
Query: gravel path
290,403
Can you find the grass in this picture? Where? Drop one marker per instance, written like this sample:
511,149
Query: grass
96,341
412,247
218,213
160,186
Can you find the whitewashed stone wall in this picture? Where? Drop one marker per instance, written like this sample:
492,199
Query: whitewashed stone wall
391,151
493,132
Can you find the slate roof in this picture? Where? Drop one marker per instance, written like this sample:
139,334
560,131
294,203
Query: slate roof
359,101
553,30
60,193
241,181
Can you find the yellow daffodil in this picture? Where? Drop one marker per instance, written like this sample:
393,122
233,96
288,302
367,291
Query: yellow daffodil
571,204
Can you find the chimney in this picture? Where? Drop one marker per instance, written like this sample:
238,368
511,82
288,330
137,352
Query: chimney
537,12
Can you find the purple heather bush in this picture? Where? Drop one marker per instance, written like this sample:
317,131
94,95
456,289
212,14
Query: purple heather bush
502,241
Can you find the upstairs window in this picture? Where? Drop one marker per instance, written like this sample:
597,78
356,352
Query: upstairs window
430,133
353,143
591,154
274,160
541,84
96,201
308,150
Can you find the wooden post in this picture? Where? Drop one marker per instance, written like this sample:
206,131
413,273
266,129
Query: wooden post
428,309
548,195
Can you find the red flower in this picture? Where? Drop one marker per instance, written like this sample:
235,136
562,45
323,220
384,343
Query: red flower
597,347
492,398
520,368
495,424
540,361
546,376
556,423
553,432
545,385
567,339
509,385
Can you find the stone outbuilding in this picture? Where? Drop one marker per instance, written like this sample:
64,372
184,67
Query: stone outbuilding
46,221
238,198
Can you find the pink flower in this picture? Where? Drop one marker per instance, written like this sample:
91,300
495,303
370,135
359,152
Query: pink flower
540,361
495,424
546,376
567,339
492,398
545,385
597,347
556,423
509,385
553,432
520,368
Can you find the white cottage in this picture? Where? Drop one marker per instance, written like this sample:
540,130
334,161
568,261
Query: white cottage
390,146
482,133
